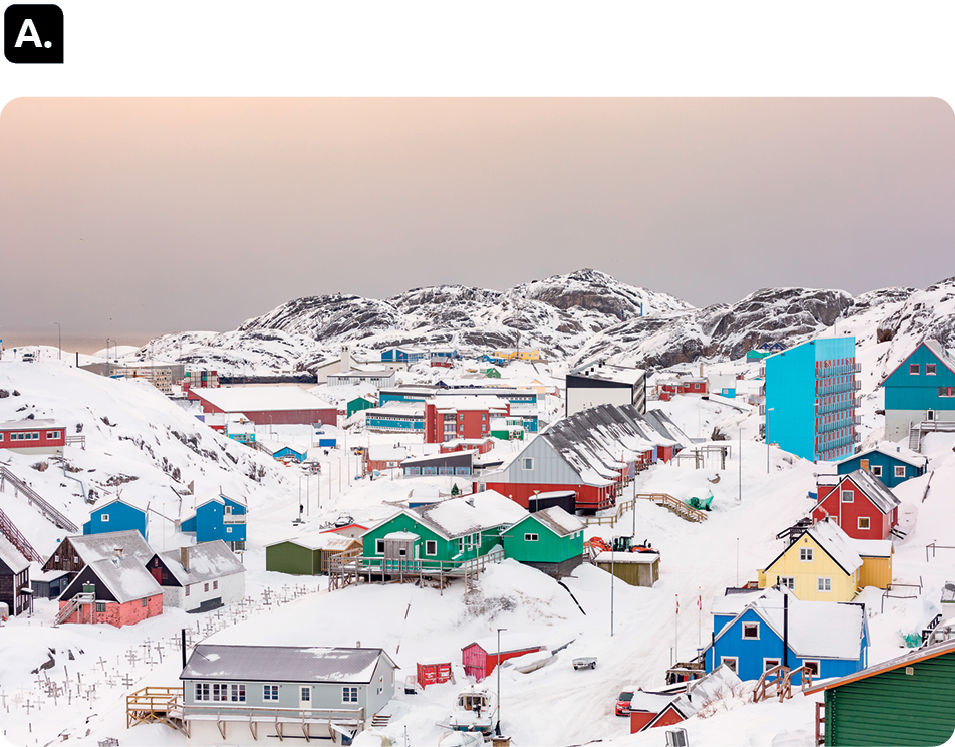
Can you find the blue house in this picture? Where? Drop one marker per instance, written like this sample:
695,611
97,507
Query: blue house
406,355
117,516
219,517
921,389
891,463
750,627
811,399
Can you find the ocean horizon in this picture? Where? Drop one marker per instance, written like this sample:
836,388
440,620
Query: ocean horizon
83,342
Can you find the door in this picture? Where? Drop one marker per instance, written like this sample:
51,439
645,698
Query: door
305,698
930,416
864,465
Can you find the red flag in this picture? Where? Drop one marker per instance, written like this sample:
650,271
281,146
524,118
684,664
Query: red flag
677,598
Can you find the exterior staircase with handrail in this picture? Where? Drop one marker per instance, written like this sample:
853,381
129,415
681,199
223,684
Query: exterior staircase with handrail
33,498
10,531
76,605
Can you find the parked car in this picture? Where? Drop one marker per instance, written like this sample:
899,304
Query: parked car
622,707
585,662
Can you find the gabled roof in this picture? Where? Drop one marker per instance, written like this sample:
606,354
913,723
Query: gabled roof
93,547
125,577
12,557
824,630
881,496
283,664
922,654
326,540
111,501
510,642
207,561
935,348
894,451
556,519
456,517
833,541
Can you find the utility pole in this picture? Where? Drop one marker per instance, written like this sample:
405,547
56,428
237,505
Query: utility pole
59,342
498,728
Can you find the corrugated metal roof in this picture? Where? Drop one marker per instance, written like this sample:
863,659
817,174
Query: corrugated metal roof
207,561
883,498
11,556
93,547
283,664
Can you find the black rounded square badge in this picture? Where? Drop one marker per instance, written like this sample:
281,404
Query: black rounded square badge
33,33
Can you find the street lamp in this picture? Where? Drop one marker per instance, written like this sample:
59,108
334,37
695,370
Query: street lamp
59,342
107,355
498,728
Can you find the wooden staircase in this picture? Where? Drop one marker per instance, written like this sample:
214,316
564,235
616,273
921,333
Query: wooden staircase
10,531
675,506
33,498
380,720
76,605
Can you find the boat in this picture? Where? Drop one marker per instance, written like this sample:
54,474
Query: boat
474,710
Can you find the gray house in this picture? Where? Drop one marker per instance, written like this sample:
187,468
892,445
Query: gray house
252,694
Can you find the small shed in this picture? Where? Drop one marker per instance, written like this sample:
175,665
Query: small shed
307,555
566,499
482,656
47,584
634,568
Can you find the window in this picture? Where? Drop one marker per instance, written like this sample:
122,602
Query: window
220,693
431,547
876,470
104,518
188,588
228,530
402,552
805,554
863,522
202,691
1,436
696,386
847,496
238,694
379,547
751,631
929,369
483,416
730,661
215,584
144,601
228,510
770,663
270,692
788,582
305,695
823,583
206,586
900,471
946,391
101,606
812,667
531,537
913,369
52,434
349,695
527,463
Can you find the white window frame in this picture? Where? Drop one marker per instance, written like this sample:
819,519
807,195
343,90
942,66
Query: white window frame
816,664
767,667
237,693
104,518
900,471
805,554
531,537
788,582
349,694
431,547
270,693
876,470
220,692
203,693
824,581
304,693
379,546
750,626
868,523
527,463
733,661
847,496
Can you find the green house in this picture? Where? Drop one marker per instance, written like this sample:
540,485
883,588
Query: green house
508,429
491,373
550,540
905,701
358,404
308,554
440,535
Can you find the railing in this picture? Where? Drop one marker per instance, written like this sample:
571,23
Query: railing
234,519
278,718
151,704
10,531
675,506
76,605
79,440
32,497
349,566
843,370
767,681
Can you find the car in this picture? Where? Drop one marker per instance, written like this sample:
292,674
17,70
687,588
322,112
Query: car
585,662
622,707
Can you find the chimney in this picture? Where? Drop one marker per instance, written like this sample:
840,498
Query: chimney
184,556
118,552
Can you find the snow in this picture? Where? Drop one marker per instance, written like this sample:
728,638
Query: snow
257,398
837,543
11,556
473,513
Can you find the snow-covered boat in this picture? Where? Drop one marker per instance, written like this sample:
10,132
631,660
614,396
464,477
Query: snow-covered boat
474,710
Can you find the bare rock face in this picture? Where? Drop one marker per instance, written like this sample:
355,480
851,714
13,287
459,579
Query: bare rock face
926,315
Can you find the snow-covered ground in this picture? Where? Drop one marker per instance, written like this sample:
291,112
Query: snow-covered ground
148,437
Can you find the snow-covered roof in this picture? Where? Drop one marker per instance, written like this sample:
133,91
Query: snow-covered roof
37,424
12,557
472,513
326,540
468,402
607,372
824,630
257,398
394,407
207,561
126,578
559,521
283,664
510,642
386,452
93,547
896,451
627,557
403,536
733,604
881,496
872,548
833,541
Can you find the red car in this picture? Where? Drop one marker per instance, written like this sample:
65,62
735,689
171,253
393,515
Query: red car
622,708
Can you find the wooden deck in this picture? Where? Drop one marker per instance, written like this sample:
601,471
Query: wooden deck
151,705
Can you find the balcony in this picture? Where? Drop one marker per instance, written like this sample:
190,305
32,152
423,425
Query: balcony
826,390
845,370
841,423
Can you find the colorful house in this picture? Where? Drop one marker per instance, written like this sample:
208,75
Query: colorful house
821,564
309,554
649,710
460,463
891,463
440,534
117,515
811,399
199,577
920,389
117,591
550,540
73,553
358,404
33,436
481,657
239,428
464,416
758,631
219,517
859,503
904,701
15,587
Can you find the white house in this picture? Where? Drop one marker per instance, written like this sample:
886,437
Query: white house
199,577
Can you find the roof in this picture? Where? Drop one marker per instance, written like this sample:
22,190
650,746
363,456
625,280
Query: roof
93,547
833,541
12,557
283,664
472,513
126,578
33,424
922,654
627,557
258,398
510,642
895,451
824,630
326,540
207,560
872,548
881,496
557,520
607,372
935,348
468,402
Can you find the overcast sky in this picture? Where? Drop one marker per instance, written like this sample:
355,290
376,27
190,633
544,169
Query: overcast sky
170,214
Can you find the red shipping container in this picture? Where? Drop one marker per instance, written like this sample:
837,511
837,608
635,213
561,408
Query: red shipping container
434,674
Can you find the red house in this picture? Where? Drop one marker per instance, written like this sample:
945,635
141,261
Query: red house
466,416
33,436
481,657
480,445
115,591
859,503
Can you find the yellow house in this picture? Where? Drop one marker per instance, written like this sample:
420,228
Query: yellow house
876,562
522,355
821,565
